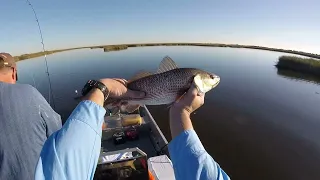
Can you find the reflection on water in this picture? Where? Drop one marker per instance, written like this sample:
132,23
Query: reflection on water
256,124
298,76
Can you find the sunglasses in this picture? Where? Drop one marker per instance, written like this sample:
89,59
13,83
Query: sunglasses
6,64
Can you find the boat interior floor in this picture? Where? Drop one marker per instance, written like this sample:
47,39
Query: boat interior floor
144,142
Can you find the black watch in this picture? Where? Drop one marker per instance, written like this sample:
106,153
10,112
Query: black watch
95,84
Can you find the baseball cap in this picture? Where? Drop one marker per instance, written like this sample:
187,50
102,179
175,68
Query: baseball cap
6,60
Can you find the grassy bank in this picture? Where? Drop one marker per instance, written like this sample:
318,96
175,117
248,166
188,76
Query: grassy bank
39,54
117,47
299,64
114,48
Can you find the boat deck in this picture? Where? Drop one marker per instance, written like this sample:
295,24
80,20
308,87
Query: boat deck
114,163
144,142
147,141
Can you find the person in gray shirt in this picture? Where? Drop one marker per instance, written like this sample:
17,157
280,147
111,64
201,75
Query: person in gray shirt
26,121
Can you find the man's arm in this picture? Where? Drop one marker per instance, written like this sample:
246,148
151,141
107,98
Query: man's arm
51,119
73,151
189,157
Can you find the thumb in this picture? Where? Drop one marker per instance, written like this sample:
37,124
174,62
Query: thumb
194,91
194,94
135,94
191,94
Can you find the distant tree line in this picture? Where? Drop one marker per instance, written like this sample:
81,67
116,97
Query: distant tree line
118,47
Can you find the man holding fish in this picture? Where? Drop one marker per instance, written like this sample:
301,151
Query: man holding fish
73,151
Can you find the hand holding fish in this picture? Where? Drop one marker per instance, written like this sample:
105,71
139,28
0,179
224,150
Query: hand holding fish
180,111
190,101
118,89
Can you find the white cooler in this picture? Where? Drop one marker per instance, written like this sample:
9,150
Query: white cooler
161,167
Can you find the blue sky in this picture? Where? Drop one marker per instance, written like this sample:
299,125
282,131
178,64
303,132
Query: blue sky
288,24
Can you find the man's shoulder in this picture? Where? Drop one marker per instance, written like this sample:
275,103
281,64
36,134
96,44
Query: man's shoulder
17,85
25,88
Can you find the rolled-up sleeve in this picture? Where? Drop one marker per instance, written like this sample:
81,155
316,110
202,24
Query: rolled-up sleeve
72,152
190,159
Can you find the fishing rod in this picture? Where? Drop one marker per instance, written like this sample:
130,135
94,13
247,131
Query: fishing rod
45,55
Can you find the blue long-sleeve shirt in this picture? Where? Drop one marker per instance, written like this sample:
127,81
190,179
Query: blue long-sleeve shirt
26,121
191,161
73,151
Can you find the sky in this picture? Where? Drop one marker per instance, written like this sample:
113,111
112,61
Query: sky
288,24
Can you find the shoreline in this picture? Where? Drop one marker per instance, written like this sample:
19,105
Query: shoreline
116,47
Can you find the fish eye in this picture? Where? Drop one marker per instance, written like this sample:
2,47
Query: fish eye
211,76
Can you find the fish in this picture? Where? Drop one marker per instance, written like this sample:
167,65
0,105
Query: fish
167,85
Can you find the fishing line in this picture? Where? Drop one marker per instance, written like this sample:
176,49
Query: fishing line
45,55
34,82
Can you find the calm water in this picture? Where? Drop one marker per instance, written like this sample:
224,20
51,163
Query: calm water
258,124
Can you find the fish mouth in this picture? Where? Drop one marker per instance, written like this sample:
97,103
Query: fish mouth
216,81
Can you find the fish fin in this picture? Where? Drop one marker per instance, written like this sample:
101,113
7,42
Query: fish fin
139,75
180,96
131,107
166,64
